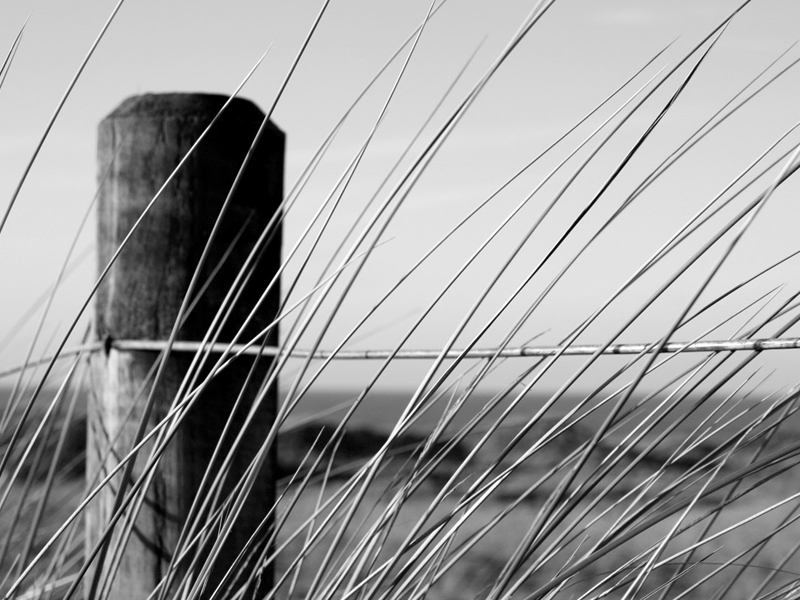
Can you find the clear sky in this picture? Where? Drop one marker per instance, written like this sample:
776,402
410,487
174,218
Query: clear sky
570,61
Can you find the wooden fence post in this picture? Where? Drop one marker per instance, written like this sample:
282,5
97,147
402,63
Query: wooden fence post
141,142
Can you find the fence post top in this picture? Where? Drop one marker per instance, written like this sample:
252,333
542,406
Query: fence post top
181,105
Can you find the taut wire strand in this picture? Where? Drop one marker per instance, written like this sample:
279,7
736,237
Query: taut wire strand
752,345
518,352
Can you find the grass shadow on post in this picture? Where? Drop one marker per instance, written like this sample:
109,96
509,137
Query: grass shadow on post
142,142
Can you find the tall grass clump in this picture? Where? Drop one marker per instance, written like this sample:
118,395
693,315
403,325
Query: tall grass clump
553,361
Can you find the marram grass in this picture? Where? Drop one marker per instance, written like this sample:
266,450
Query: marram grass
529,453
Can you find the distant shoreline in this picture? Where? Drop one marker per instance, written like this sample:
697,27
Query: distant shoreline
382,409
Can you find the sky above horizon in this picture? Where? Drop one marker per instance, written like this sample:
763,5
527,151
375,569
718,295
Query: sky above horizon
571,61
